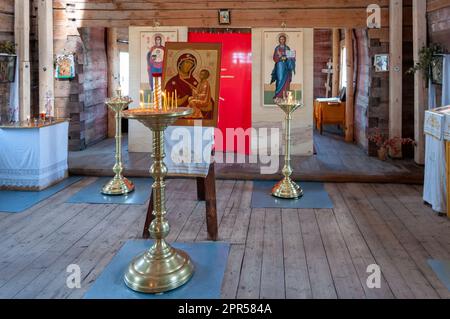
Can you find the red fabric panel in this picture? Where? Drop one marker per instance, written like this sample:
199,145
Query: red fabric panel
235,83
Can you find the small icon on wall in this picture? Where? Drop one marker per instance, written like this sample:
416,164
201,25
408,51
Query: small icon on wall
224,16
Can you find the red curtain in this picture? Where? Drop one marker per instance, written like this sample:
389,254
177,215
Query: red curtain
235,83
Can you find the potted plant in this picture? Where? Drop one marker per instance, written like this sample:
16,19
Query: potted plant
388,145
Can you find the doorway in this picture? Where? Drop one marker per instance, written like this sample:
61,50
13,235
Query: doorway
235,82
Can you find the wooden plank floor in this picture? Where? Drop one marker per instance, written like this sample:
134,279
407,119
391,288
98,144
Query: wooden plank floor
289,253
335,161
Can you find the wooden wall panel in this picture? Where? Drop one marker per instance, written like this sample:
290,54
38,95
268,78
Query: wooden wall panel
203,13
322,52
6,20
434,5
95,85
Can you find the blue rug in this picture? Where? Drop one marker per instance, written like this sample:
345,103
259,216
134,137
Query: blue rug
209,258
442,270
19,201
315,196
91,194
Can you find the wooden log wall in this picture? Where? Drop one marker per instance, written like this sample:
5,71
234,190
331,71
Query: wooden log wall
438,14
7,20
378,99
95,85
203,13
322,52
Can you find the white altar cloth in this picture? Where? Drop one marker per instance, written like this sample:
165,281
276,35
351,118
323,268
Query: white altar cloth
33,158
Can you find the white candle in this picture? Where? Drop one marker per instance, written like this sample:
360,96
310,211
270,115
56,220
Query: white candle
176,99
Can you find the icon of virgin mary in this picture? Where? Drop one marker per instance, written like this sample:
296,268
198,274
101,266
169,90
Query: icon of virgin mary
184,82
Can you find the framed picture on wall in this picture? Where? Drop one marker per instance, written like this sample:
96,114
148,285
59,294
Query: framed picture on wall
437,66
65,66
7,68
381,62
282,56
224,16
192,71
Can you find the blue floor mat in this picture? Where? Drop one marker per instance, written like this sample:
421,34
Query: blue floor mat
19,201
209,258
442,270
91,194
315,196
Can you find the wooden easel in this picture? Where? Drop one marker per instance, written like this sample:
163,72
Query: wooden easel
206,191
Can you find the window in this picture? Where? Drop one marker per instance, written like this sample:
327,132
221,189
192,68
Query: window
343,77
124,79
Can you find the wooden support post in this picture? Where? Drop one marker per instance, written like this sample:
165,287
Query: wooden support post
395,72
420,91
336,62
349,105
46,70
22,39
113,74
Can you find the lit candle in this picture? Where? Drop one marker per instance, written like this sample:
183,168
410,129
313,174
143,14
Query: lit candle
141,105
165,99
119,91
142,96
176,99
173,100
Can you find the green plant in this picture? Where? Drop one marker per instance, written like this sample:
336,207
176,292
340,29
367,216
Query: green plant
7,47
427,56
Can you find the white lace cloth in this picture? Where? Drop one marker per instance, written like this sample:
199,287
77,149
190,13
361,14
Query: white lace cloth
33,158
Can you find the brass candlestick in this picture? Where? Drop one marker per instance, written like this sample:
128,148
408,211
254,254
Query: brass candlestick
119,185
287,188
162,267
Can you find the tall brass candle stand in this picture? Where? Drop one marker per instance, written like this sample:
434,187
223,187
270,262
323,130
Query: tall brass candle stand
161,268
287,188
119,185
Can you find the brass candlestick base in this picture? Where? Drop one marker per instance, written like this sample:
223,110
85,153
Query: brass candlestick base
287,188
119,185
161,268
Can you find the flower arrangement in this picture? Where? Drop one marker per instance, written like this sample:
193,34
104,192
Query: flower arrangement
386,145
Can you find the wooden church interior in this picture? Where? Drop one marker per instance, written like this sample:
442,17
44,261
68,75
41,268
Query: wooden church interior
378,213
